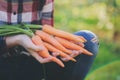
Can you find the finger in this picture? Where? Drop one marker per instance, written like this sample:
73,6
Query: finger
35,48
38,48
80,44
76,53
55,54
65,59
80,51
39,58
46,60
30,45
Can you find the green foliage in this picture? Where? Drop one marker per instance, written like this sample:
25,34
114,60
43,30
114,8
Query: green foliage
108,72
118,3
73,16
107,54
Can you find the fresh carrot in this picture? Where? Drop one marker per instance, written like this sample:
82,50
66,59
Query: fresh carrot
62,54
60,33
50,39
81,37
44,53
71,45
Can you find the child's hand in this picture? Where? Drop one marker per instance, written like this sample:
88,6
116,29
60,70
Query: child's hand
25,41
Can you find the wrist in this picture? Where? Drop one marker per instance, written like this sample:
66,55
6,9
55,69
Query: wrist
12,41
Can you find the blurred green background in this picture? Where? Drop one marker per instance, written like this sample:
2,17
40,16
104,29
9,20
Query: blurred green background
101,17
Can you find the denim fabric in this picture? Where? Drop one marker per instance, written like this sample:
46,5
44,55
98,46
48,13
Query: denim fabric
84,62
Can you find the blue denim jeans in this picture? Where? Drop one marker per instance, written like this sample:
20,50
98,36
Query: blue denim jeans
24,67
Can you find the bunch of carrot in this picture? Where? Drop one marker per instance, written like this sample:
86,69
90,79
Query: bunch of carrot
51,39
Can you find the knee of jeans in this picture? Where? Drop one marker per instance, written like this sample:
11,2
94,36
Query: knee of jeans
92,43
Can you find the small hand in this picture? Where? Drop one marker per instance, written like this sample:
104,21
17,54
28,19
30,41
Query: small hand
32,49
26,42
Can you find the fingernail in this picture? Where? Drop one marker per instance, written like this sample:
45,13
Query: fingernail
80,51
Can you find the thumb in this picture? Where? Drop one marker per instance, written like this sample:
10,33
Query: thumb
55,54
36,48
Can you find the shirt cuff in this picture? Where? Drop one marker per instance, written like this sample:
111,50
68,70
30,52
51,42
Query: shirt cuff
3,46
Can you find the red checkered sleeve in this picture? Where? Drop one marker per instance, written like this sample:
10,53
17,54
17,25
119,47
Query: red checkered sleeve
47,13
31,12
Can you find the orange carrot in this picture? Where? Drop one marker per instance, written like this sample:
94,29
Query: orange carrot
71,45
60,33
62,54
50,39
44,53
81,37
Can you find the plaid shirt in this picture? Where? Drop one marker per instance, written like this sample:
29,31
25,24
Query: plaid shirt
27,11
24,11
